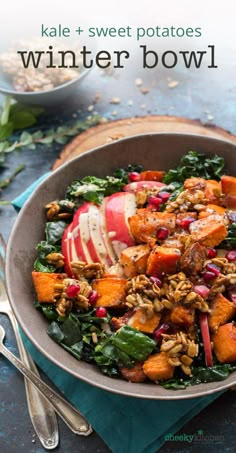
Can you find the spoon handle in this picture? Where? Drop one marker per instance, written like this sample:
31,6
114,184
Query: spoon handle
78,424
41,412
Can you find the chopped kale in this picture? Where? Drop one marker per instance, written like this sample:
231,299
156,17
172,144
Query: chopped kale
93,189
198,165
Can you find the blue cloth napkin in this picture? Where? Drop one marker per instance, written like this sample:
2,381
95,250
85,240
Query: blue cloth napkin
126,424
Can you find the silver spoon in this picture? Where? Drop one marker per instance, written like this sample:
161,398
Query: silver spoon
79,425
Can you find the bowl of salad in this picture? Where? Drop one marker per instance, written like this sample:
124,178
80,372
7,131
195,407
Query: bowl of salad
121,267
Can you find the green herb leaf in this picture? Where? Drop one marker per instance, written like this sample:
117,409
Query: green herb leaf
55,332
230,240
198,165
22,119
6,130
134,343
54,231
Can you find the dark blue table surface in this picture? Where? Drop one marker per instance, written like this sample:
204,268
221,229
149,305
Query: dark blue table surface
209,96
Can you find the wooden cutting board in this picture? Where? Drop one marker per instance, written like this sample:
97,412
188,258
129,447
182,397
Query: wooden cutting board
115,130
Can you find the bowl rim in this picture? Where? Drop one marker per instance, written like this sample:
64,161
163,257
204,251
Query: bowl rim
52,90
174,394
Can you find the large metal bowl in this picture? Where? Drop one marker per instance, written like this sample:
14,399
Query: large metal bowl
159,151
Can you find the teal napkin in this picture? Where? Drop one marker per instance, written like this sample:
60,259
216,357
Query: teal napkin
126,424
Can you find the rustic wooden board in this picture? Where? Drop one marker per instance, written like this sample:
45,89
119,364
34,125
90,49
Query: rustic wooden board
115,130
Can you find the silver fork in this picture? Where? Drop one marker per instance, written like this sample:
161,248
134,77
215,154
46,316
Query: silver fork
40,409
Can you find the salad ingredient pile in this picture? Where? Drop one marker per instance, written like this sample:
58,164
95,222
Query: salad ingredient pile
137,272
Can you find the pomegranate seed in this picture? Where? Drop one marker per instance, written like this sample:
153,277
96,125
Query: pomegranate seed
184,223
134,176
231,255
93,297
162,329
72,291
101,312
164,196
211,253
155,201
213,268
208,276
156,280
202,290
162,233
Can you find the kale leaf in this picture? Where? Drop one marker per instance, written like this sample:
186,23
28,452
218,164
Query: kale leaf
230,240
198,165
54,231
123,173
93,189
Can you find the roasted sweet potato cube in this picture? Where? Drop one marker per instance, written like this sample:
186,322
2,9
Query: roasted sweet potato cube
111,291
229,201
134,260
144,224
228,184
224,341
135,374
139,320
157,368
44,285
211,209
182,316
210,231
213,191
163,260
152,175
222,311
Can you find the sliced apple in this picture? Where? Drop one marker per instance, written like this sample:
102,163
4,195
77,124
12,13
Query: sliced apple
66,248
118,208
81,234
142,185
206,339
96,244
110,252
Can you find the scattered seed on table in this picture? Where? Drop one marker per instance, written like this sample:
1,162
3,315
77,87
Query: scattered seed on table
138,82
173,84
115,101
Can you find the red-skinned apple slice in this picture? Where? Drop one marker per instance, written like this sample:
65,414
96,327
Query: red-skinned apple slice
96,244
81,233
111,256
142,185
66,248
206,339
118,208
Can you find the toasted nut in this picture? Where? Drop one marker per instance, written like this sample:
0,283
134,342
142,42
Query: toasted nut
131,300
173,351
167,304
186,360
174,361
57,259
157,305
192,350
94,337
190,297
183,338
167,345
